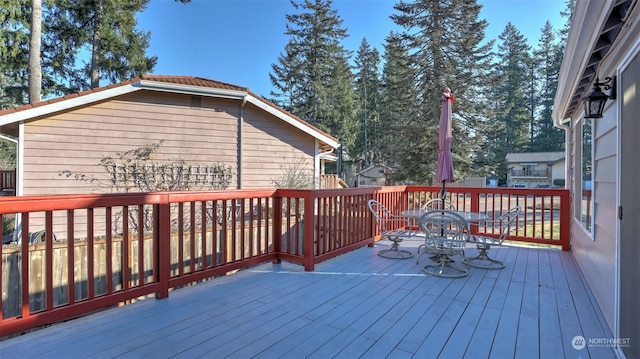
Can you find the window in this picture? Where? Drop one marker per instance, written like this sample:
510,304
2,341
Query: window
586,204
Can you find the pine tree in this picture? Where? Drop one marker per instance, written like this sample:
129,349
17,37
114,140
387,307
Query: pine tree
109,29
313,78
444,39
14,53
69,27
399,106
548,56
567,14
367,89
513,68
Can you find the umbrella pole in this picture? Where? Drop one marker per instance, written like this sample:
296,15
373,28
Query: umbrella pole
443,195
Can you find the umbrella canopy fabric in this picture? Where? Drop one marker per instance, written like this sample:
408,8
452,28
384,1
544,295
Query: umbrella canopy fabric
444,169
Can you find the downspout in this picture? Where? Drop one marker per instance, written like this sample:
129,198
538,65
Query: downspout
568,172
240,162
567,158
318,167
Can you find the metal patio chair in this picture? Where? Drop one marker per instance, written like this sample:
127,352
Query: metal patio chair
393,227
437,203
446,235
503,225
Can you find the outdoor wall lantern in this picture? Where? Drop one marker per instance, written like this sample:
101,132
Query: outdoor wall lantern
595,100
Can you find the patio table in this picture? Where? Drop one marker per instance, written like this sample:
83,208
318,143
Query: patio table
468,216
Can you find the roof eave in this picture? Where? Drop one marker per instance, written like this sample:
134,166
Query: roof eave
595,26
67,104
192,90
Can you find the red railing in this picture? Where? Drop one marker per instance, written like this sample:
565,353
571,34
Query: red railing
77,254
544,218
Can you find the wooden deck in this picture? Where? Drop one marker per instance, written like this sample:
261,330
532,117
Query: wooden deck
356,305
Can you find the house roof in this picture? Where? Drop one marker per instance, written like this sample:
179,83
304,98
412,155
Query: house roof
381,169
595,26
531,157
174,84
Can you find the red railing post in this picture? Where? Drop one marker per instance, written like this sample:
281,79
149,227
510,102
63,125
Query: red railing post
277,226
309,230
163,245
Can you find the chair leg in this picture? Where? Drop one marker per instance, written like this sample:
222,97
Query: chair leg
422,249
395,252
482,260
445,268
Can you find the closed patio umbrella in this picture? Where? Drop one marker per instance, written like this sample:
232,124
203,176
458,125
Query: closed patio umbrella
444,169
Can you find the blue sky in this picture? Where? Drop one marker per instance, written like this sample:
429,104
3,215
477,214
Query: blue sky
236,41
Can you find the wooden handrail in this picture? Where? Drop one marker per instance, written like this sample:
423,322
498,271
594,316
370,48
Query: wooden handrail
130,245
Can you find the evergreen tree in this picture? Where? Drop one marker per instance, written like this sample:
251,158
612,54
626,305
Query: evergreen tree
69,27
513,70
444,40
313,78
287,77
567,14
14,53
399,104
108,28
367,89
548,57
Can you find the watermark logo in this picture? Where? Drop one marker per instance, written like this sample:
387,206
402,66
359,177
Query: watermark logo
578,342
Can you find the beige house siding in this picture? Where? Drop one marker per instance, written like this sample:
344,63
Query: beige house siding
201,123
606,256
596,257
271,147
596,254
205,135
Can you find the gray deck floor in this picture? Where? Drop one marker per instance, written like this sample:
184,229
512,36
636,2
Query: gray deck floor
356,305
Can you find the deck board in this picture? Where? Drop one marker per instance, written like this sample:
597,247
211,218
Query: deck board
483,336
356,305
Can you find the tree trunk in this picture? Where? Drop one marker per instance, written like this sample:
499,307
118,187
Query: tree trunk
35,68
97,38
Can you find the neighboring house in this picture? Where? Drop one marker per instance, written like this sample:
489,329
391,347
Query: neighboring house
603,166
374,176
202,122
534,169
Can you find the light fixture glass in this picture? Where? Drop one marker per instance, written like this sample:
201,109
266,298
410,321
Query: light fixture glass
596,99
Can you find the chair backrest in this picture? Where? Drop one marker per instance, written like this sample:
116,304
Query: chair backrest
378,209
446,231
437,203
385,219
506,222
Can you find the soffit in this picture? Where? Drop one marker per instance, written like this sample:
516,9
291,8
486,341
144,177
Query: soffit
606,36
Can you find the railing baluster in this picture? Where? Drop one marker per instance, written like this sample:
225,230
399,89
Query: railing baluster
109,250
90,256
126,252
49,259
